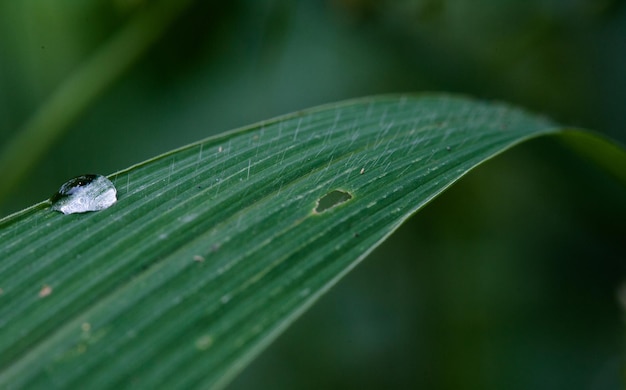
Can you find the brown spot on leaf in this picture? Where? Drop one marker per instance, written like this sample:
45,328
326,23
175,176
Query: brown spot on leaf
45,291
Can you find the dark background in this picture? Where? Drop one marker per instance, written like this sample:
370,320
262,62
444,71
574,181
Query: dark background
508,280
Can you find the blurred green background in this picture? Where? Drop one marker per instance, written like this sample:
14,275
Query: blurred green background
508,280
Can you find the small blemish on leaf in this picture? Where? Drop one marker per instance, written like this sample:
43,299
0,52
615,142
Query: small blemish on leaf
45,291
204,342
330,200
188,218
198,258
362,171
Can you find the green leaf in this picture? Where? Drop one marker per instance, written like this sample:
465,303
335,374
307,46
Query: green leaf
215,248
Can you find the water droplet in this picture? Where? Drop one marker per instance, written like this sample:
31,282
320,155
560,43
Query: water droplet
84,193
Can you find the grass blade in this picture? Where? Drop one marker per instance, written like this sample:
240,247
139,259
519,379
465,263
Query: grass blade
214,248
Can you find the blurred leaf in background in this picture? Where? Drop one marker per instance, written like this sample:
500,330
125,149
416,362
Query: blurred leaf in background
508,280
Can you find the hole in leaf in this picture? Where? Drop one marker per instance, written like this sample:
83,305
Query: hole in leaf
332,199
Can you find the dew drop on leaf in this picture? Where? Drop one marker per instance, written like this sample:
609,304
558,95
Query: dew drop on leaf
84,193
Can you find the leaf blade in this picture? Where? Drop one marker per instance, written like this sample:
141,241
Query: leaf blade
215,247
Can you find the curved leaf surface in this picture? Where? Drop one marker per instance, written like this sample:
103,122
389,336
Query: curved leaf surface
214,248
